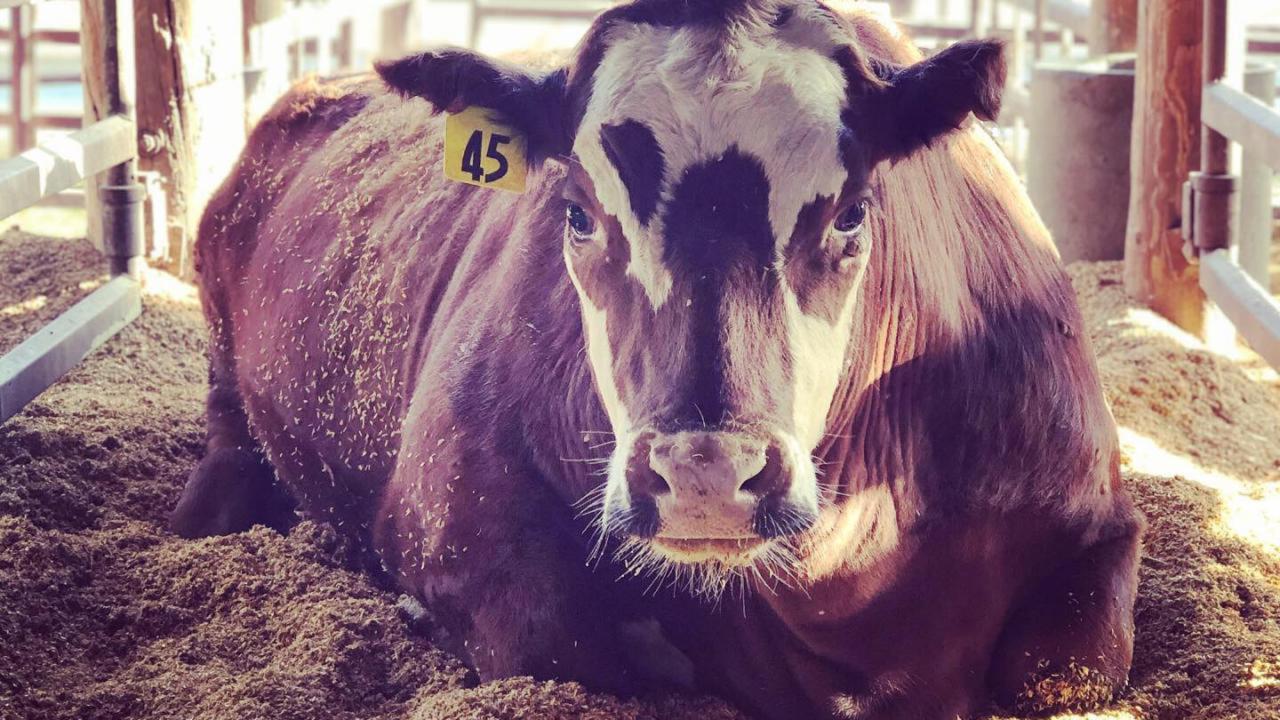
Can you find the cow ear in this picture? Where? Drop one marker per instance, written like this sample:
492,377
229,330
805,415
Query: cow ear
922,102
453,80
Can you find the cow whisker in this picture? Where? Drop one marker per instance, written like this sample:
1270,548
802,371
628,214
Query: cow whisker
711,581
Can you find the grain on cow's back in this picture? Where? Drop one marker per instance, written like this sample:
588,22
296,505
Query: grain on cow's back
339,237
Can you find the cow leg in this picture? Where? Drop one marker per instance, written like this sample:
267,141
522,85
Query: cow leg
233,488
501,566
1069,645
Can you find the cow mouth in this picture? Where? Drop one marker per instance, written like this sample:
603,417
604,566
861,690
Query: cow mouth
732,550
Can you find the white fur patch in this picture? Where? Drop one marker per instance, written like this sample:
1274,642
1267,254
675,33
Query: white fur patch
775,94
818,349
595,323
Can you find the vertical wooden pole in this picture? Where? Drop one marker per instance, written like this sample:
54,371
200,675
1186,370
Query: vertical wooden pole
96,105
23,78
977,23
1164,149
1039,28
1113,26
190,108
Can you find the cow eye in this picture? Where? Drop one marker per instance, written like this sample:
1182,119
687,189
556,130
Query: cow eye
850,220
581,226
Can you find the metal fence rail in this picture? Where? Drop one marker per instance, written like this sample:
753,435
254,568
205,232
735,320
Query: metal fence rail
109,148
1211,200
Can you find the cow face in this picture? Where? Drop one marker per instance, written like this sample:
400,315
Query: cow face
716,230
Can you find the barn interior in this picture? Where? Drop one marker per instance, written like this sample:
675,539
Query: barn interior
106,614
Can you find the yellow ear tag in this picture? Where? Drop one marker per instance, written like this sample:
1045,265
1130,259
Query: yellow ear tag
479,151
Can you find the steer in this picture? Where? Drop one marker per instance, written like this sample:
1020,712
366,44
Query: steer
770,384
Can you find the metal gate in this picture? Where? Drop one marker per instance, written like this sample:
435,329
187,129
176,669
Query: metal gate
107,147
1211,202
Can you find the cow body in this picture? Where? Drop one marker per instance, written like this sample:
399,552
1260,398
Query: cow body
406,354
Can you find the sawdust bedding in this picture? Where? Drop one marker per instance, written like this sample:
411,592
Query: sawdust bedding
105,615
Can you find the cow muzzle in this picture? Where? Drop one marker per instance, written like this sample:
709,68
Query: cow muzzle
703,495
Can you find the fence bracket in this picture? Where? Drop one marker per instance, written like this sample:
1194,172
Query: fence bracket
1210,213
122,219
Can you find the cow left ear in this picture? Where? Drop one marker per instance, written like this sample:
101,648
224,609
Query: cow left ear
453,80
919,103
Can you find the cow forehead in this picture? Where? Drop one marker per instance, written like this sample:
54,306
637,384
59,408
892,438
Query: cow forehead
773,94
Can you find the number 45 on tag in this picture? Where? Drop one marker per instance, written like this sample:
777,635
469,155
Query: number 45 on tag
479,151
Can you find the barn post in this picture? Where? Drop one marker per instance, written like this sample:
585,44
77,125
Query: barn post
23,80
190,111
1113,26
1165,144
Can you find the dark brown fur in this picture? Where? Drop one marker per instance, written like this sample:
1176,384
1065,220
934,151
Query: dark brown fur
407,354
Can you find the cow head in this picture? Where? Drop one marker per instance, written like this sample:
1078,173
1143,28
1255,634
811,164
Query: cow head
719,157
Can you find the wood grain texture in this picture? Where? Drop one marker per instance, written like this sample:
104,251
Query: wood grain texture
1165,147
1113,26
190,107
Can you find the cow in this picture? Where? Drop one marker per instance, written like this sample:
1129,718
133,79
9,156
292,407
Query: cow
770,384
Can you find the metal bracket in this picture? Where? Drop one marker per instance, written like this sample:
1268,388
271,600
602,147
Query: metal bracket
122,220
157,212
1210,213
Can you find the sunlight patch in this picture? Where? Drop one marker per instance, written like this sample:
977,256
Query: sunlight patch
1250,511
159,284
24,307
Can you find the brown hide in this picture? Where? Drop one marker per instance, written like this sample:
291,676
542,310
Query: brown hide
408,354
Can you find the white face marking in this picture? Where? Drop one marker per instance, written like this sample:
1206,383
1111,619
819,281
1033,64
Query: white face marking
818,349
701,91
595,322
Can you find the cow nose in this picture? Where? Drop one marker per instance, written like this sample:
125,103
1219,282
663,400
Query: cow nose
705,484
712,465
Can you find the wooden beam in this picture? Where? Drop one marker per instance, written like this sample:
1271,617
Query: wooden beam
29,369
1243,119
57,37
60,37
62,162
952,31
1252,310
1165,145
4,4
60,122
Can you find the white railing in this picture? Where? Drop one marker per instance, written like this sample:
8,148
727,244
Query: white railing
1211,204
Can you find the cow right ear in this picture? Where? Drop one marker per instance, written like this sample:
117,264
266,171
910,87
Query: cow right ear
453,80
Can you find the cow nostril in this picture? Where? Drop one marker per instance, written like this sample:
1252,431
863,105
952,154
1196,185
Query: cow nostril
649,481
757,484
770,478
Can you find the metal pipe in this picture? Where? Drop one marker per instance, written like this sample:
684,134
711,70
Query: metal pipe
1215,148
1212,201
121,193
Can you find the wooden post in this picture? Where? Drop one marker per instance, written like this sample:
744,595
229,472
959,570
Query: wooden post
1164,149
23,78
1113,26
1039,29
190,108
